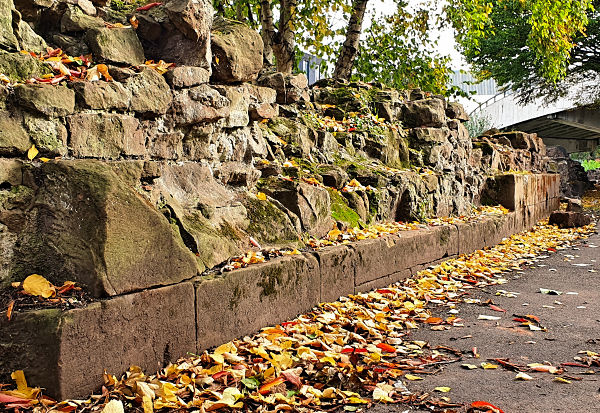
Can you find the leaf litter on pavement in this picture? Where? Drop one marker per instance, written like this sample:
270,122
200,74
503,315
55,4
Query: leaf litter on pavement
345,354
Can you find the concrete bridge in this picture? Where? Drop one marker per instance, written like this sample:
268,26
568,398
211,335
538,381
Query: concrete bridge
564,122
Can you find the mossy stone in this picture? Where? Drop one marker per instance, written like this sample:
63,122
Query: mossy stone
20,67
269,225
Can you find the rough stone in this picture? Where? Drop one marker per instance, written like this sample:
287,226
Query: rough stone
238,174
238,108
87,225
118,45
310,203
165,145
199,104
289,88
13,138
574,205
75,20
49,136
105,135
427,112
192,17
19,67
102,95
237,52
270,225
456,111
187,76
30,40
70,45
569,219
150,93
47,99
8,40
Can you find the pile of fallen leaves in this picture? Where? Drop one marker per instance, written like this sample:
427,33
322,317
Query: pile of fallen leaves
37,292
77,68
349,353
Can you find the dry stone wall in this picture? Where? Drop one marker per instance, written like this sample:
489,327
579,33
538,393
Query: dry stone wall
145,182
176,160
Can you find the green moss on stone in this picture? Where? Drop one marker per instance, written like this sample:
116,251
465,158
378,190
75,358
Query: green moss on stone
272,278
340,211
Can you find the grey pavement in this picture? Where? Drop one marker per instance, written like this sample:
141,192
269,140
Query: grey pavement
572,320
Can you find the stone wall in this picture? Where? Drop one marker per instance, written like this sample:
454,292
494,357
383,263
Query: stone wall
145,182
66,352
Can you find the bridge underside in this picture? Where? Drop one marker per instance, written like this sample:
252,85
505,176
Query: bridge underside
576,130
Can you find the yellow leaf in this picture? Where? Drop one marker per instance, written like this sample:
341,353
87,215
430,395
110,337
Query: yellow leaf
488,366
37,285
44,159
443,389
226,348
228,399
114,406
412,377
261,196
561,380
32,152
147,404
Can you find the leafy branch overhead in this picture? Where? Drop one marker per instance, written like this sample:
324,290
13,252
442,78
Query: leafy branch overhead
531,44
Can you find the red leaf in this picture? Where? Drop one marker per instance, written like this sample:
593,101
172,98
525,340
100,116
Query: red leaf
5,398
266,388
148,6
485,405
292,377
386,347
496,308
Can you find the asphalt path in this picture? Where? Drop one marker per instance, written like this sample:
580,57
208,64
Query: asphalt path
572,320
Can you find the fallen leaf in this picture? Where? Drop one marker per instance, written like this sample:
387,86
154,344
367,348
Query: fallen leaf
488,317
9,311
37,285
261,196
32,152
468,366
488,366
443,389
561,380
523,376
412,377
114,406
485,405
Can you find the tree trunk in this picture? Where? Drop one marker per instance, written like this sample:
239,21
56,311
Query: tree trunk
267,31
343,66
284,42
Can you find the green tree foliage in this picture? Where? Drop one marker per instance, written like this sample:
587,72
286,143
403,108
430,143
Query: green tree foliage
398,50
527,45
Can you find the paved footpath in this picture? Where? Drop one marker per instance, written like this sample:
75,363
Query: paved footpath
572,320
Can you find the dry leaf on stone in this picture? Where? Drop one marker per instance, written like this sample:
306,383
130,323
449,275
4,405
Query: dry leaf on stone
37,285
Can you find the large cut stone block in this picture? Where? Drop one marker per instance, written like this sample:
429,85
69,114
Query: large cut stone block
87,224
337,272
243,301
67,352
384,256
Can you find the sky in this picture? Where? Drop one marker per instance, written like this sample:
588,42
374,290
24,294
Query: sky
446,43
